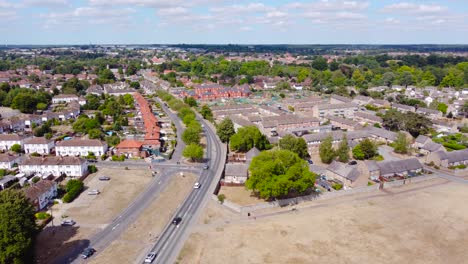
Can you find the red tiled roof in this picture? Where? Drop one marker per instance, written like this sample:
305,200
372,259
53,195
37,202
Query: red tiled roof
129,143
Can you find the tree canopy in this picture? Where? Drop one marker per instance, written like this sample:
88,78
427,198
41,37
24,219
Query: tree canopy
247,138
294,144
278,173
411,122
193,152
17,228
225,130
326,151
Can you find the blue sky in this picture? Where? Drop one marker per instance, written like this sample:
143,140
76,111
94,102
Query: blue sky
229,21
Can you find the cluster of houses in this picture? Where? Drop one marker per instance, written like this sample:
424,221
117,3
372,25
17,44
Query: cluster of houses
209,92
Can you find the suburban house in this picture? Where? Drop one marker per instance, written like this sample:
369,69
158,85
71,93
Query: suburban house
343,123
420,141
344,109
236,170
68,98
403,108
39,145
366,118
8,140
362,100
338,99
41,193
448,159
130,148
344,173
80,147
7,181
431,113
56,166
394,168
8,161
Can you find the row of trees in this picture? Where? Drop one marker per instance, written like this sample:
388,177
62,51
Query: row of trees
25,100
327,153
411,122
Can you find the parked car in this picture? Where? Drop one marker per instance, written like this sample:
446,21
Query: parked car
310,161
177,220
150,257
420,155
68,222
324,184
197,185
94,192
353,162
205,167
104,178
92,161
88,252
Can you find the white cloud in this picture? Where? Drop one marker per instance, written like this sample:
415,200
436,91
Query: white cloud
330,6
411,8
392,21
46,3
172,11
276,14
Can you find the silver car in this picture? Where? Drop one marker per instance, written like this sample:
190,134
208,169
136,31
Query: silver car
94,192
150,257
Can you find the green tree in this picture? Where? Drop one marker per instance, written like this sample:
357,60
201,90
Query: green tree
366,149
206,112
406,78
442,107
320,63
278,173
25,102
17,228
16,148
294,144
451,80
191,135
247,138
193,152
92,102
343,150
190,101
225,130
41,106
401,144
95,133
326,152
358,78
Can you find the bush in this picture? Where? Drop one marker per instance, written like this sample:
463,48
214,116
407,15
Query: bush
436,167
74,188
337,186
92,169
42,215
431,164
221,198
118,158
35,154
36,179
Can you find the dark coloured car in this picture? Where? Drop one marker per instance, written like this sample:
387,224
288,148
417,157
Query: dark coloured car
177,220
353,162
92,161
104,178
88,252
310,161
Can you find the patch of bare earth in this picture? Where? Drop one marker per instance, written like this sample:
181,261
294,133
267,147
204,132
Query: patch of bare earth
239,195
142,234
416,223
92,213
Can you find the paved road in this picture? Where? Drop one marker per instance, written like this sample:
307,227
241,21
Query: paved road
104,238
172,238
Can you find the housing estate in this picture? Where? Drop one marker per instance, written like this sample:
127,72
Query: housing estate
56,166
41,194
39,145
80,147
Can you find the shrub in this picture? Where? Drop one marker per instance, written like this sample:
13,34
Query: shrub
74,188
436,167
92,169
221,198
337,186
118,158
42,215
36,179
35,154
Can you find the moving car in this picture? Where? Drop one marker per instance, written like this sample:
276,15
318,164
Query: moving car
104,178
87,252
205,166
177,220
68,222
94,192
150,257
197,185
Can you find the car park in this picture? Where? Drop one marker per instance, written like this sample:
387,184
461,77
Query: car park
104,178
94,192
68,222
197,185
88,252
177,220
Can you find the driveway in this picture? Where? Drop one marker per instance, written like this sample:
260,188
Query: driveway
386,152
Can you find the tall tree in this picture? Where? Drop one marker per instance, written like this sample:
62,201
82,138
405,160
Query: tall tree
17,228
401,143
320,63
343,150
326,152
247,138
206,112
191,135
193,152
294,144
225,130
277,173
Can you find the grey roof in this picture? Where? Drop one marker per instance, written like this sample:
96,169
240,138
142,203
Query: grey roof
371,165
252,153
341,98
4,157
428,111
405,107
383,133
421,139
341,120
337,106
454,156
431,146
317,169
398,166
336,135
7,178
241,121
236,169
349,172
368,116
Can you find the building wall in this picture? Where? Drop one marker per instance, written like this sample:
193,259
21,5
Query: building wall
235,179
39,148
56,170
6,144
80,151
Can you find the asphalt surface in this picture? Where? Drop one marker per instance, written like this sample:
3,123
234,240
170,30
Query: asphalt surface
105,237
172,238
